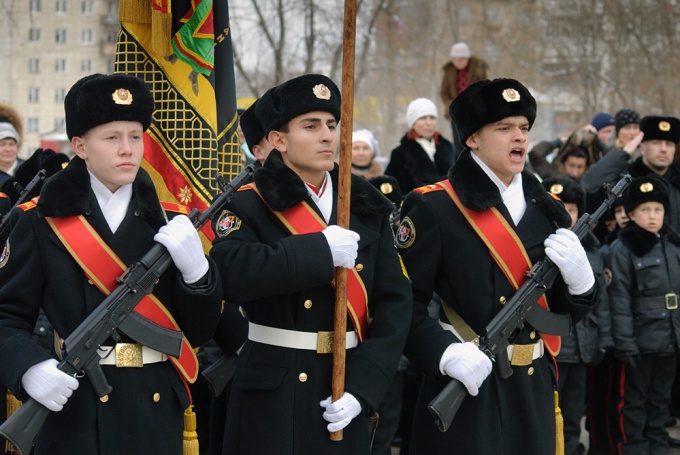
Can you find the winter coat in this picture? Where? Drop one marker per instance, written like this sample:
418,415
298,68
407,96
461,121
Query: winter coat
645,271
412,166
448,90
38,272
444,255
592,334
284,281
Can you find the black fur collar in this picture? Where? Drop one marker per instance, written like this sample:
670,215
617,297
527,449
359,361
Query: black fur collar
67,193
282,188
641,241
479,193
639,169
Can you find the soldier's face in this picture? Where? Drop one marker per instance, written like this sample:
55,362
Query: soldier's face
112,152
502,146
657,154
649,216
309,146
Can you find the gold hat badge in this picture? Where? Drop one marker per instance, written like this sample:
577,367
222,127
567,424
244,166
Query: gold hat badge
664,126
322,92
557,188
510,95
122,96
646,187
386,188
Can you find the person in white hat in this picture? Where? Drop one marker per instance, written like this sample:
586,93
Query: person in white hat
423,156
364,151
463,69
10,139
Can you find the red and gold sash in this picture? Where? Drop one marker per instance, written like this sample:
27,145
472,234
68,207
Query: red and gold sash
303,219
505,247
102,266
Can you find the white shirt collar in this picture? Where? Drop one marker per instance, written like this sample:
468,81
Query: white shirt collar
325,202
513,194
113,205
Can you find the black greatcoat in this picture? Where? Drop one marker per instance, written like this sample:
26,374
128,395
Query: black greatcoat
509,416
41,273
272,274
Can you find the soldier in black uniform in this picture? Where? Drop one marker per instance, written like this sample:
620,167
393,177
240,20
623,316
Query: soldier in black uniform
443,253
277,260
645,270
103,190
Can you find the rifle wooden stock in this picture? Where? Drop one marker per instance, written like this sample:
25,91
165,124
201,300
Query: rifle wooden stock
513,315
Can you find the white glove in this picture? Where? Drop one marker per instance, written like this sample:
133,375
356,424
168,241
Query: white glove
48,385
344,245
340,413
565,250
465,362
181,239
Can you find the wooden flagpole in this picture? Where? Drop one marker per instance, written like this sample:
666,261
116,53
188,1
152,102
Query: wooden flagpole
344,177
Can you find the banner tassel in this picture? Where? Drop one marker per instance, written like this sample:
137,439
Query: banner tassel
136,11
12,405
161,32
559,427
190,437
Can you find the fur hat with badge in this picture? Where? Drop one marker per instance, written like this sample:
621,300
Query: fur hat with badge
660,128
489,101
648,188
567,189
98,99
388,186
11,126
307,93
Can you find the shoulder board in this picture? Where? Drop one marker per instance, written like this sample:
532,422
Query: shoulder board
174,207
33,203
248,186
3,195
429,188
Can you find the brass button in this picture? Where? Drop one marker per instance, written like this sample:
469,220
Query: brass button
503,300
532,335
530,371
302,377
308,304
90,282
104,399
359,267
156,397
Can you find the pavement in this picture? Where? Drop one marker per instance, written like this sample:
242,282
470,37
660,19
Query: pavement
673,432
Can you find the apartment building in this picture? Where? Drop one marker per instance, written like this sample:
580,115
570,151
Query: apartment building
45,47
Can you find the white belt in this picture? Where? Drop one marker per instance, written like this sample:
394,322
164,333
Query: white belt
321,342
128,355
537,353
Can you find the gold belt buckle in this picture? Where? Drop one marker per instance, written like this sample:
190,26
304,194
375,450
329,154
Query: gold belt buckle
522,355
671,301
324,343
129,355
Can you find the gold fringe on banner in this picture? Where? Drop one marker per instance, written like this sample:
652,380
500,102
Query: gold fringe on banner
12,405
190,437
161,32
135,11
559,427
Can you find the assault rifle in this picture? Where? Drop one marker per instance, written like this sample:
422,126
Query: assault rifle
521,308
115,314
24,195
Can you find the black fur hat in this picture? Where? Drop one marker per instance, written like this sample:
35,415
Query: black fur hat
663,128
308,93
489,101
251,127
98,99
567,189
389,186
645,189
